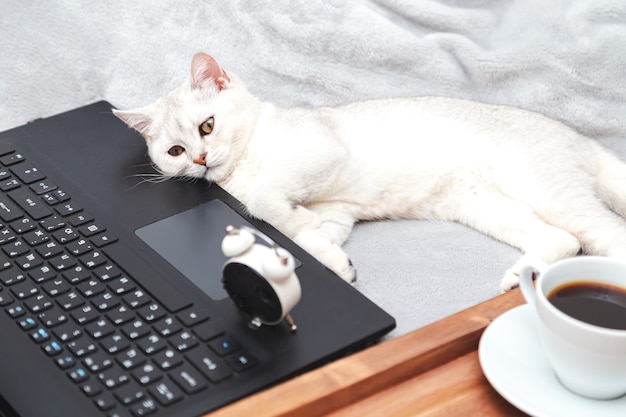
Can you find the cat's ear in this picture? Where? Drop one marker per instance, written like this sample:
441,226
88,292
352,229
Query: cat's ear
136,119
205,70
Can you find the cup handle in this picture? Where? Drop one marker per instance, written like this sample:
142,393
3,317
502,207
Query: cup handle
526,275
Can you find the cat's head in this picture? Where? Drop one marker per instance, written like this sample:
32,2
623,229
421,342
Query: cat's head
199,129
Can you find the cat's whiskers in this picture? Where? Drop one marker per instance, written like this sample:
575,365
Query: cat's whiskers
151,177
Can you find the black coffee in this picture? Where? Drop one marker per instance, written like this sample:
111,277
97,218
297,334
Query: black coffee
592,302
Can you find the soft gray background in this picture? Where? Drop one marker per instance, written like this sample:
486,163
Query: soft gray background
563,58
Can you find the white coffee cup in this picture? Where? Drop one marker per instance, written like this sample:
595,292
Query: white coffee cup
589,360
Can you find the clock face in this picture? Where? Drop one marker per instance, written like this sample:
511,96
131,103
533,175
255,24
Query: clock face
251,292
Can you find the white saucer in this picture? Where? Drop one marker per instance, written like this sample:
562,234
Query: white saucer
512,359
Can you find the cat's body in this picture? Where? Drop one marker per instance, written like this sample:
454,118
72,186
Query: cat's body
515,175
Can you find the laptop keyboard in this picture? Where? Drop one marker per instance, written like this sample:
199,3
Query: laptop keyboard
64,282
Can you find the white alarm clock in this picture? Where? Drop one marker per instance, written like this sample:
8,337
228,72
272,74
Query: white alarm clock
260,278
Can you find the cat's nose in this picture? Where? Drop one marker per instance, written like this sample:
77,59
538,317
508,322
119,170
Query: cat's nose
201,160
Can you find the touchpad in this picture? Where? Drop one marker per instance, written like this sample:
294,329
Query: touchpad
192,242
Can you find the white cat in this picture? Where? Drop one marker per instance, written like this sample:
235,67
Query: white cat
515,175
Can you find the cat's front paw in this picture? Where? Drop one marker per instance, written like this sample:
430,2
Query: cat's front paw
328,253
510,280
348,274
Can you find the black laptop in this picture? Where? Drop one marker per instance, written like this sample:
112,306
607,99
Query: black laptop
111,295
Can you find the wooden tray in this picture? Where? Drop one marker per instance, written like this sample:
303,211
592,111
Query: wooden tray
433,371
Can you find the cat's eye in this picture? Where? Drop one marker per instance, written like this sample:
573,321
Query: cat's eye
176,150
207,126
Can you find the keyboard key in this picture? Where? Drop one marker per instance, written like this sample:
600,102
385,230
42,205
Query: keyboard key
91,388
52,317
114,343
151,312
62,262
27,173
8,210
12,277
28,261
188,379
5,299
144,408
103,239
42,274
38,303
105,402
40,335
6,148
107,272
146,374
65,235
76,274
66,209
65,362
151,344
168,326
42,187
192,316
209,364
23,290
224,345
82,347
15,249
98,362
93,259
90,229
130,358
49,249
135,329
100,328
78,375
85,314
168,359
36,237
52,223
120,315
56,287
79,247
91,287
105,301
67,332
136,299
121,285
6,235
183,341
241,361
70,300
79,218
166,393
60,195
16,311
12,159
30,203
52,348
129,393
23,225
113,377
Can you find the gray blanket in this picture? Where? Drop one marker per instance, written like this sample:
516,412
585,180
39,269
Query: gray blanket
563,58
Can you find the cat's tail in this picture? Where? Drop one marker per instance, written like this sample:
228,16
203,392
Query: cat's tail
611,180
